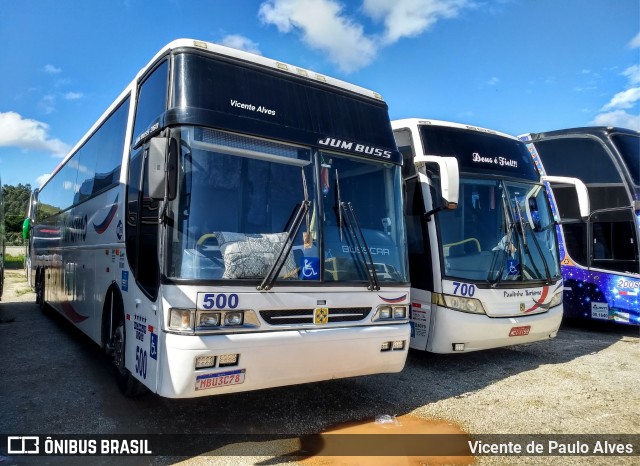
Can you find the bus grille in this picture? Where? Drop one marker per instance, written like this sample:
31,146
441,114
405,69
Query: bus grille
305,316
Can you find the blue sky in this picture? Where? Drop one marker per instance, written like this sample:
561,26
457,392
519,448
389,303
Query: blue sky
511,65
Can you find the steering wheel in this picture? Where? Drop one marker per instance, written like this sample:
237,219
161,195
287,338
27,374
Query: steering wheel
203,239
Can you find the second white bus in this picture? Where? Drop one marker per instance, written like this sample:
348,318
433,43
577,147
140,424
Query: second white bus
483,251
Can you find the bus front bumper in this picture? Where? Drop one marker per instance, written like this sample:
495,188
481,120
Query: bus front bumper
273,359
479,332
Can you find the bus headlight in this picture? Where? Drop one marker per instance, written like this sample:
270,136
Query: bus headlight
233,318
458,303
207,319
556,300
399,312
191,322
386,312
181,320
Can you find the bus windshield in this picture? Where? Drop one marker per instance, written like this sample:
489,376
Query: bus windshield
237,197
501,230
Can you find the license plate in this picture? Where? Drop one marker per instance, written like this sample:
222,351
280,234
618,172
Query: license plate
220,379
520,331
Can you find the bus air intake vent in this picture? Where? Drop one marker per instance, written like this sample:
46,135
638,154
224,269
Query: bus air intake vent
305,316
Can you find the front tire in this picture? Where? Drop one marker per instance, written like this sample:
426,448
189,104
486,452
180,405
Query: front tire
128,384
40,301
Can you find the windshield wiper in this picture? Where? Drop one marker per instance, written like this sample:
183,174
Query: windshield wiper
277,265
508,244
361,245
292,232
538,248
353,226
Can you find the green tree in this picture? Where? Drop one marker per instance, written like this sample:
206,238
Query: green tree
16,203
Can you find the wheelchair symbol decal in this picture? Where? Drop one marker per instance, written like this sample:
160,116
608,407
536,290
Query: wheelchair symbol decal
310,268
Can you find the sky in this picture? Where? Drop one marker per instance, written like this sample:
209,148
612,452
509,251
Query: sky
515,66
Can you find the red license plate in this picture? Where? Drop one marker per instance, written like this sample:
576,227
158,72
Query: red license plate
520,331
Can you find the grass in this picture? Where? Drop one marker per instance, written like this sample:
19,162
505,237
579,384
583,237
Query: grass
14,262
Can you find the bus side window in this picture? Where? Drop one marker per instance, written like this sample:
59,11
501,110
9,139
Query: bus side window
132,214
148,264
418,237
613,241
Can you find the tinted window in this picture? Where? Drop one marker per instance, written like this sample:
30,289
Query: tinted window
629,147
614,241
408,167
579,157
78,180
85,161
152,99
109,147
420,269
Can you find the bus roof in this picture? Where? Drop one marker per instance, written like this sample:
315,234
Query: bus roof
585,130
263,61
409,122
217,49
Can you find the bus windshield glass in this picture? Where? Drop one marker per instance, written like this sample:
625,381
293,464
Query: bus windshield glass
501,231
237,197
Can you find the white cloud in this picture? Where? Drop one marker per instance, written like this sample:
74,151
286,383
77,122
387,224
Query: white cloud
618,118
73,95
47,104
409,18
16,131
42,179
635,42
624,100
51,69
493,81
239,42
323,27
633,73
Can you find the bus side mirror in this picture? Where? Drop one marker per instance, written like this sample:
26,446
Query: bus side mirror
581,190
156,172
25,228
449,178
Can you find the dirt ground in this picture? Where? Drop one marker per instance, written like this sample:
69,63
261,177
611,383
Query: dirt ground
583,385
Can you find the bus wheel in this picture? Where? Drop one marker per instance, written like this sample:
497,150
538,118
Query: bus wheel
40,292
128,384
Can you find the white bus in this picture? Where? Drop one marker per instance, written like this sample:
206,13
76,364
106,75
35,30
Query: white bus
483,252
221,226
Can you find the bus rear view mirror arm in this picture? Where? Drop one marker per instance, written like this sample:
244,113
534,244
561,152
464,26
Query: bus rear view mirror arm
449,178
581,190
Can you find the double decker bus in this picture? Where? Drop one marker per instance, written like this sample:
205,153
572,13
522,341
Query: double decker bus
222,226
600,254
483,253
